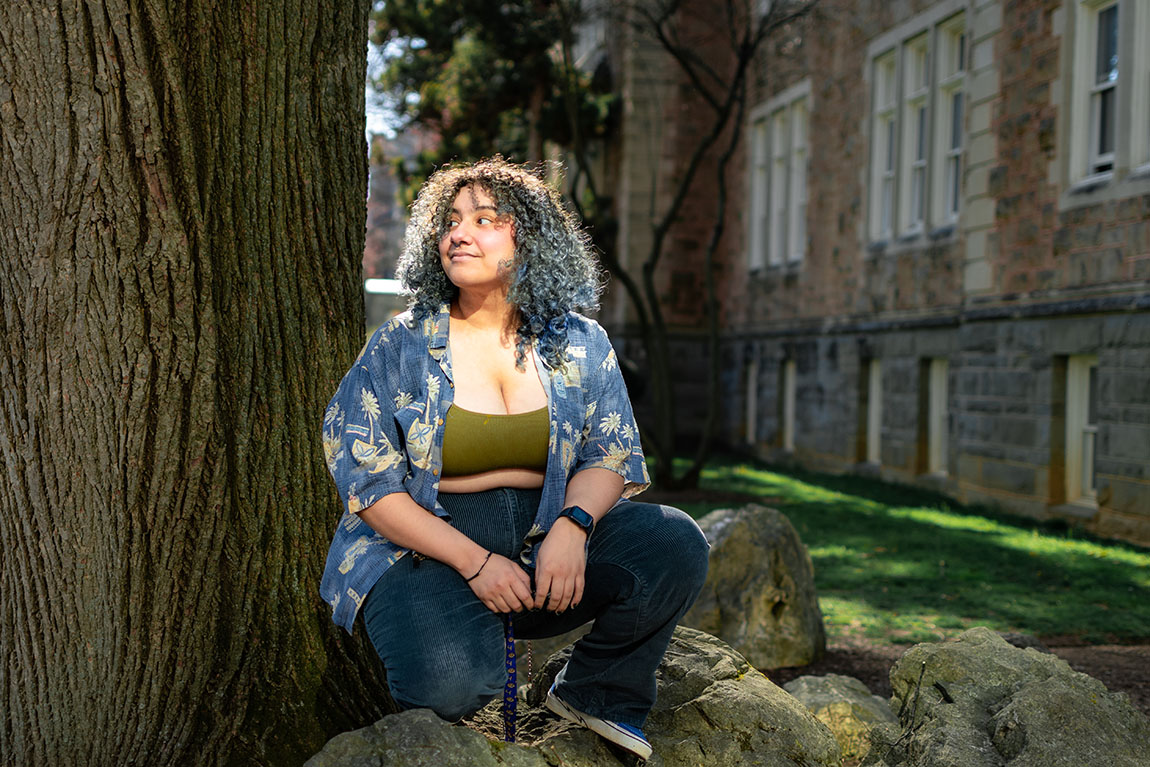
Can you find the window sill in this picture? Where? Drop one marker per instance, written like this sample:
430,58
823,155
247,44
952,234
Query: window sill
768,270
1090,184
1105,187
1142,171
946,234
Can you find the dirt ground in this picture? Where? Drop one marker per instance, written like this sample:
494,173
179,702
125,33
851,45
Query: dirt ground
1122,668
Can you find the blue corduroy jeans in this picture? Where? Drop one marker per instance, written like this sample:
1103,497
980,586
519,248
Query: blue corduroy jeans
444,650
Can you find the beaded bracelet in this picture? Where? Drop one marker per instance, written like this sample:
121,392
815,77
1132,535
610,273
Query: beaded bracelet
477,572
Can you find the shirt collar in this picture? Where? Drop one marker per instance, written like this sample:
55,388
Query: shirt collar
436,330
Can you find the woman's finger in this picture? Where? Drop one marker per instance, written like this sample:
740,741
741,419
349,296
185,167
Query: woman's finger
543,583
522,591
561,592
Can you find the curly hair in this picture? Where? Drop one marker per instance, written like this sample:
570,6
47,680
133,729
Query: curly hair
553,270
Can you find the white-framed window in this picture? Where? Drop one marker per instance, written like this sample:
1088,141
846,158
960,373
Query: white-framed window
1103,93
951,115
778,185
1109,118
787,388
916,103
918,77
874,412
936,429
1081,427
1140,91
779,200
760,179
885,138
797,240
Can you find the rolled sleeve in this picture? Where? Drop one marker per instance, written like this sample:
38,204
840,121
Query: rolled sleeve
361,444
610,433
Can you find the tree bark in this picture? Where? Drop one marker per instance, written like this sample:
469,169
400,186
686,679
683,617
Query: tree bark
182,212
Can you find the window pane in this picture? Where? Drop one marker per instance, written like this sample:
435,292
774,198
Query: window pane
1107,65
956,120
961,63
916,192
1106,121
890,145
887,202
920,142
952,167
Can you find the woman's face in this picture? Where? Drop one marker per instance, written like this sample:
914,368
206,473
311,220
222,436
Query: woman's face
476,242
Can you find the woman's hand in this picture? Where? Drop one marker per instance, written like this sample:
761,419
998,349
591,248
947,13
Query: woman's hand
561,564
502,586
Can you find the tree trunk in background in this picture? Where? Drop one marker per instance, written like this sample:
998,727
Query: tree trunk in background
182,212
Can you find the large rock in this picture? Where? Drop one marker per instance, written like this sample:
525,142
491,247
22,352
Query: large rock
845,705
713,708
980,702
419,738
760,591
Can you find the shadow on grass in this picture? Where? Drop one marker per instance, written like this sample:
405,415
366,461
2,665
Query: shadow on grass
900,564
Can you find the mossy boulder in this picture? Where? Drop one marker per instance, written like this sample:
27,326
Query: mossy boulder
981,702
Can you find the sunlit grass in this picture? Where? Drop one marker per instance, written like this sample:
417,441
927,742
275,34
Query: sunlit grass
898,564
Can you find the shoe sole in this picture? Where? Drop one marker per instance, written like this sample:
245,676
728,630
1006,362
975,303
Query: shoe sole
600,727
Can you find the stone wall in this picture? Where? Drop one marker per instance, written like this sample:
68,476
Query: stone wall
1005,405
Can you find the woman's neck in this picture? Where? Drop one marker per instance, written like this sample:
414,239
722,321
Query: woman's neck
490,311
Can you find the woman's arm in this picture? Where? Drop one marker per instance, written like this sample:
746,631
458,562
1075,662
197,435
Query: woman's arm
502,585
563,553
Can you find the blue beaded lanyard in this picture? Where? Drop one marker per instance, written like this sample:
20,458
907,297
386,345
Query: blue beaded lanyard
511,688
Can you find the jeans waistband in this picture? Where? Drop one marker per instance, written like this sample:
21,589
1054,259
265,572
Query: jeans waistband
497,519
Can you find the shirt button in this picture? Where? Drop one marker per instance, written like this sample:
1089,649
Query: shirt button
435,472
451,384
439,421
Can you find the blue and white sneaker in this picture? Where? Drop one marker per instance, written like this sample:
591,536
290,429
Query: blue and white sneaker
623,735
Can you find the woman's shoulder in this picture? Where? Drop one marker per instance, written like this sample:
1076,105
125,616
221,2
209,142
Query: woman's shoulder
587,340
582,327
395,337
408,326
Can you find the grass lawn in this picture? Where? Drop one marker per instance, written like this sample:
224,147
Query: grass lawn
897,564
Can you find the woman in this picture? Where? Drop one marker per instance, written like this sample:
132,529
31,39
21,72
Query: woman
483,444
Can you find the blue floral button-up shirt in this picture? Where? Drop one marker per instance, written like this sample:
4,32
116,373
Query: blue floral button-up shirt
383,433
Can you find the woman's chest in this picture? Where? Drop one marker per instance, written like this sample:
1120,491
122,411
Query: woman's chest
487,379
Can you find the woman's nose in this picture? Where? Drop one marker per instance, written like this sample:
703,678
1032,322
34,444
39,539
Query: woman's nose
460,233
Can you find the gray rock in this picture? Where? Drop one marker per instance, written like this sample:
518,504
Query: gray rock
845,705
760,591
713,708
419,738
1024,640
980,702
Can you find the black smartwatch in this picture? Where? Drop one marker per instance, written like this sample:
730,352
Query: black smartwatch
585,521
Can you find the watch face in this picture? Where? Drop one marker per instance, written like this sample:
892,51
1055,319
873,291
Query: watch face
579,517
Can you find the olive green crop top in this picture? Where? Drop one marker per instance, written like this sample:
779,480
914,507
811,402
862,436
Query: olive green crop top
477,442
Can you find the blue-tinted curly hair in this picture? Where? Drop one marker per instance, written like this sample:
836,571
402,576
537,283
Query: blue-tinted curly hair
553,272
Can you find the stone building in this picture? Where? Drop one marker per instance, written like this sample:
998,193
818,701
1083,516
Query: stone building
937,262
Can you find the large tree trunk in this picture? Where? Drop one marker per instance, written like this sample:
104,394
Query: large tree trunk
182,212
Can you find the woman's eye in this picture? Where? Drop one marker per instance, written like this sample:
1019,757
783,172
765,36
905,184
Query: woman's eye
484,220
